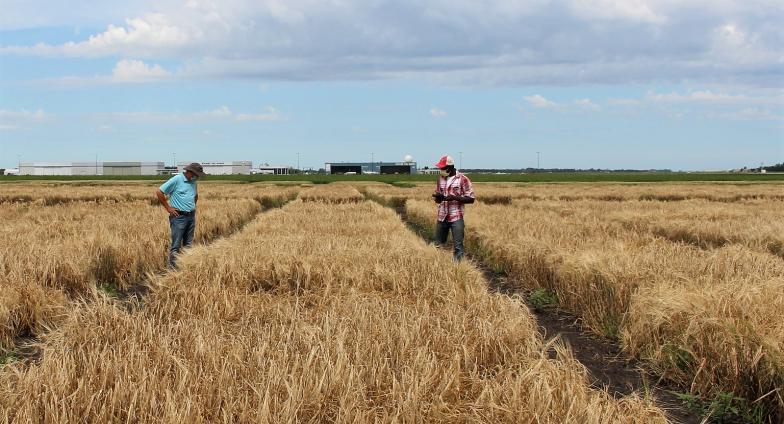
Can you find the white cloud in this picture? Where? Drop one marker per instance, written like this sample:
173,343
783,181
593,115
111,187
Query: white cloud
450,41
540,102
634,10
22,118
695,96
749,114
437,113
269,114
137,71
587,105
139,37
709,97
151,31
222,113
758,105
621,102
37,115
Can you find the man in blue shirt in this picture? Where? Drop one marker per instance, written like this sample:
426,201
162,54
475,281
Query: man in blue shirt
179,196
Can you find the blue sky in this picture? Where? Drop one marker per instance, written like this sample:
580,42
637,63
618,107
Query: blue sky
588,83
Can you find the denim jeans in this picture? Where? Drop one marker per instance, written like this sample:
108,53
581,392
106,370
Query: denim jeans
458,232
182,229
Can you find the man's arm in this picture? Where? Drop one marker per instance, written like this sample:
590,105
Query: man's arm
165,202
468,193
461,199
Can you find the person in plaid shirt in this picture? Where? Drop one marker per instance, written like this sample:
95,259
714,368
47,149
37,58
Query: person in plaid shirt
453,191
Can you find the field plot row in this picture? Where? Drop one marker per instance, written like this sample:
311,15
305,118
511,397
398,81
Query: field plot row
706,317
331,193
346,318
717,192
505,193
755,224
52,255
48,194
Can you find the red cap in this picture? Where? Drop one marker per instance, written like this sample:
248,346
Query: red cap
444,162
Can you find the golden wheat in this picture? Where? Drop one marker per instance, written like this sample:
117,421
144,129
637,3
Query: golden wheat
331,193
347,318
52,253
672,304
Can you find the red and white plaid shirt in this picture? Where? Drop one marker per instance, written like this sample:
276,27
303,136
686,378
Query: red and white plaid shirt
459,185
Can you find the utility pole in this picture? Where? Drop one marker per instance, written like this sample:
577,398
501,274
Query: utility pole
537,161
96,164
297,162
19,164
371,162
174,160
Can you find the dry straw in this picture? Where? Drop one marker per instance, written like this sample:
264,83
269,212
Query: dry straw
345,318
331,193
708,318
53,253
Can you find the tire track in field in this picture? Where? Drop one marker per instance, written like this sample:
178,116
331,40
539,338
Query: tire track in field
607,365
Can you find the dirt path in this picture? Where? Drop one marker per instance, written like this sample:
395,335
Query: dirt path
608,366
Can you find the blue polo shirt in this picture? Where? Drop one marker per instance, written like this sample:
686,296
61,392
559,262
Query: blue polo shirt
181,192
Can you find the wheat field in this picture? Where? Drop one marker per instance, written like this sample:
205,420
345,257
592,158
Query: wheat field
693,287
330,309
56,253
348,318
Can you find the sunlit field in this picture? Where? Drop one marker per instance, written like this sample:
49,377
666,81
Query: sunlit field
320,303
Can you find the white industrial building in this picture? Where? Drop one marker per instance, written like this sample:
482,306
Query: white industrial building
91,168
237,167
267,169
132,168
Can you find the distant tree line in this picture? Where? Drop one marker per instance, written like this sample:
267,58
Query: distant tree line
779,167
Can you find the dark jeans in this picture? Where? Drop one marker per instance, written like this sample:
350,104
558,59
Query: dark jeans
458,232
182,228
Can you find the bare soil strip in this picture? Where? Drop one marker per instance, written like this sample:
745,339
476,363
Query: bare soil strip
608,366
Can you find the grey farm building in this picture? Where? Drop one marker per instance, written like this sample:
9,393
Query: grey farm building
360,168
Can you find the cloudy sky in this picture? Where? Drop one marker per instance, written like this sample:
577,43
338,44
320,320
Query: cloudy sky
643,84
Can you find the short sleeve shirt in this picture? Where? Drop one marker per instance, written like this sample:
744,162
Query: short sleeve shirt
181,192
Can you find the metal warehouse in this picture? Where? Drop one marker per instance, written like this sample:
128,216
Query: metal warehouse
237,167
91,168
268,169
370,168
